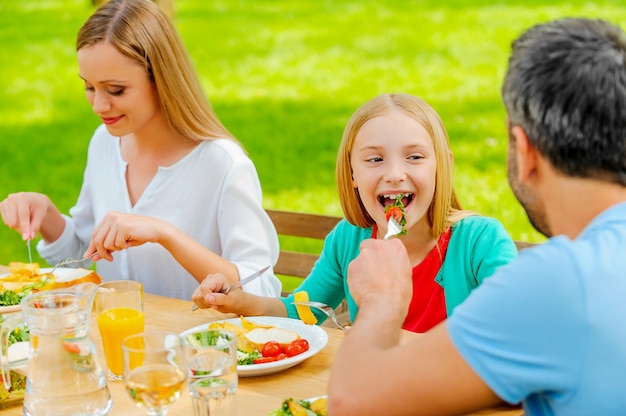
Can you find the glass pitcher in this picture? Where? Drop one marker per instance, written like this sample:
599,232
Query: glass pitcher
64,376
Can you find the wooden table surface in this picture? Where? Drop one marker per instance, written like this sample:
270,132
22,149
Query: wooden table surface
255,395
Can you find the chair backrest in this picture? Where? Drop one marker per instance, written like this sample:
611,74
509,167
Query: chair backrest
302,226
297,264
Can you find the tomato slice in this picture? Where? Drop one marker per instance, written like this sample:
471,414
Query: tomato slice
395,212
263,360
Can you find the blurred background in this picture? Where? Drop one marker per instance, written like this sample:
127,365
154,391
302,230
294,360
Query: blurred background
284,76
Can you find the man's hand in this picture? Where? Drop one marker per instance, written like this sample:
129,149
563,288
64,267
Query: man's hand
382,271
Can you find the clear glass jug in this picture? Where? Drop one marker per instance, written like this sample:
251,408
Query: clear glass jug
64,376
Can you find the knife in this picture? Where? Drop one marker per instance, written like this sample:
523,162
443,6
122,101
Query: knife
240,283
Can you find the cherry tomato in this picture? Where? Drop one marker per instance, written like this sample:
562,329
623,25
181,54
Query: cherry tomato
303,343
395,212
281,356
294,349
271,349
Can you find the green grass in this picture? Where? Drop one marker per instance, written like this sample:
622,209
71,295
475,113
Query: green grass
284,76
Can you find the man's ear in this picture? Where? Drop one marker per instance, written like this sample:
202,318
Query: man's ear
526,155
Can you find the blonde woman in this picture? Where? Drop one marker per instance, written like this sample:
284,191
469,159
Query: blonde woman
161,169
394,144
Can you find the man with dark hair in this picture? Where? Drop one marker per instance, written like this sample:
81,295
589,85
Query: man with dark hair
549,328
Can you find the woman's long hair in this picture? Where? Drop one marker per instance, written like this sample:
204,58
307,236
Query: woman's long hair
142,32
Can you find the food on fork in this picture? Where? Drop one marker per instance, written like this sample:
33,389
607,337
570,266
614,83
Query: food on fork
26,278
304,312
396,210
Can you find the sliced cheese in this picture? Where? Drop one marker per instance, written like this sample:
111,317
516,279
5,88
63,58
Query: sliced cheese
250,325
259,336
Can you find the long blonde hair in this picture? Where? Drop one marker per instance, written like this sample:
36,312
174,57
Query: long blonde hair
445,208
140,30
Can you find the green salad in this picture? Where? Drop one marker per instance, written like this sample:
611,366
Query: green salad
11,297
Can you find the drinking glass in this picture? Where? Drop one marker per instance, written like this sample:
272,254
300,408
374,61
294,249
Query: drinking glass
153,372
119,310
211,360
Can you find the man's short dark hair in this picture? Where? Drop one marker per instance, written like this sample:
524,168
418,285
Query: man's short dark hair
566,87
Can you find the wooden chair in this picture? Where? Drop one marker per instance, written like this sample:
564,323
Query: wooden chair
523,244
301,225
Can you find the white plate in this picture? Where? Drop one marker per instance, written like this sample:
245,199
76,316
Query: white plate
317,337
61,274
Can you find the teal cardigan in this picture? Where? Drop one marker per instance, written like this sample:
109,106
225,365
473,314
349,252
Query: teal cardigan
478,245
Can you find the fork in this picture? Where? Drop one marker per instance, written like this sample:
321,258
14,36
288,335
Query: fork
70,260
329,311
393,228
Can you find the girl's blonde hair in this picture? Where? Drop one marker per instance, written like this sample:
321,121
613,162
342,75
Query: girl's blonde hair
445,208
142,32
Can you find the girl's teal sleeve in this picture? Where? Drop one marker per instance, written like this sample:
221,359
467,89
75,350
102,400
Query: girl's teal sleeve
325,283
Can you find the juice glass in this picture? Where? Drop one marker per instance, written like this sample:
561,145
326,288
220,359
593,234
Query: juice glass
119,311
153,371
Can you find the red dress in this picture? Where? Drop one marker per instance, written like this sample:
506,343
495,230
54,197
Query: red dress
428,305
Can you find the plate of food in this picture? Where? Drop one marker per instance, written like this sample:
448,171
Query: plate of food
269,344
26,278
315,406
17,355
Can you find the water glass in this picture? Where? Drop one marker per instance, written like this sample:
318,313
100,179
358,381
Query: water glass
211,360
153,370
119,310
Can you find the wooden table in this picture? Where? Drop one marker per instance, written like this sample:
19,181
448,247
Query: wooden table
255,395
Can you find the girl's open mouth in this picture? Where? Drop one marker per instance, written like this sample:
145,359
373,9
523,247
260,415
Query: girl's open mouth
390,199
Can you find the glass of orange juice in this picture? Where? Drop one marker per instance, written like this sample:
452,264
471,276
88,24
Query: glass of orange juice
119,311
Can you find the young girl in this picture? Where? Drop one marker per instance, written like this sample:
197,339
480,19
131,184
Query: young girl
160,169
394,144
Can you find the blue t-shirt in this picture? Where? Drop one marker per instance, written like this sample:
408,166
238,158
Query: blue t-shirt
549,328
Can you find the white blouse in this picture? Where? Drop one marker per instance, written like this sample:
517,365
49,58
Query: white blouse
213,194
